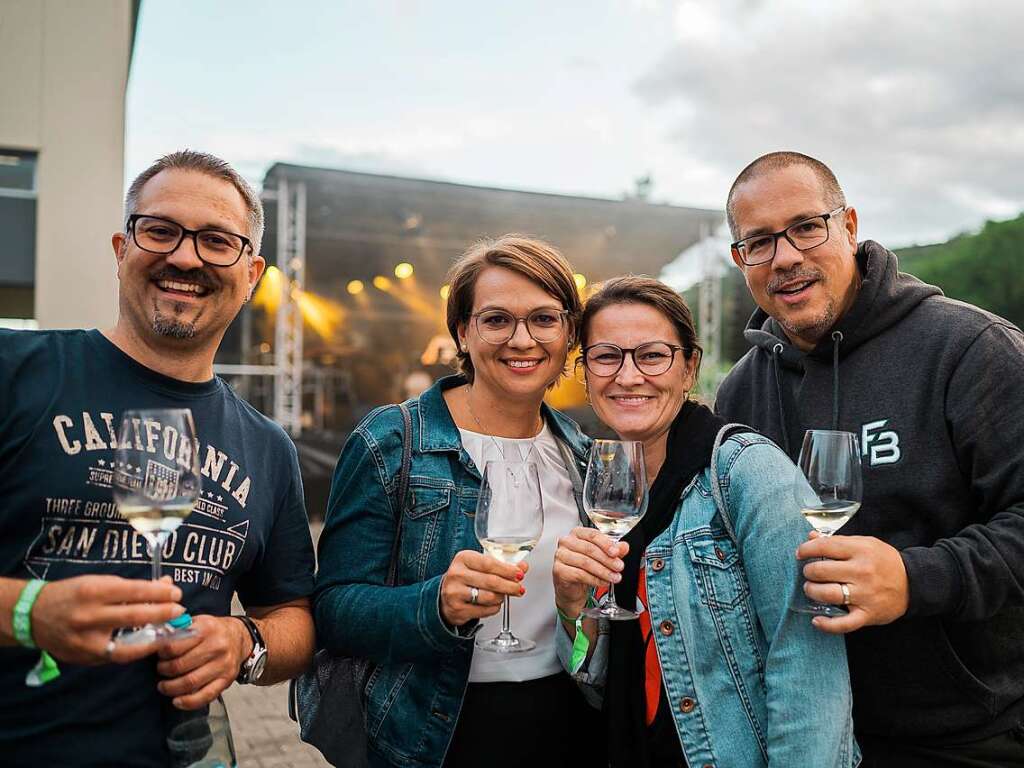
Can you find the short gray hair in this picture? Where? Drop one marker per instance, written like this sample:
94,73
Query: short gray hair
190,160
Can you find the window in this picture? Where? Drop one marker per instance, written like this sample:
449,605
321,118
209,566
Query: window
18,225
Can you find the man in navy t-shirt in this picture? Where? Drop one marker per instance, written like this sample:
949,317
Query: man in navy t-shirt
186,263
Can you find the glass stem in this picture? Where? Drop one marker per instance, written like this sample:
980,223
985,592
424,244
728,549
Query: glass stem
504,618
611,596
157,544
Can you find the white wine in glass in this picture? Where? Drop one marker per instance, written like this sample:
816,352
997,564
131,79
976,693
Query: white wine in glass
156,485
828,489
509,522
508,549
615,499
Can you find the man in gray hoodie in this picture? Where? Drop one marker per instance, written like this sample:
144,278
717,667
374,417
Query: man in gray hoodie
932,566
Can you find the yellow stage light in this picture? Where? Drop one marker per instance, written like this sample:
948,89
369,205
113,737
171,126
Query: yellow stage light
322,315
445,290
403,270
355,287
581,281
268,294
381,283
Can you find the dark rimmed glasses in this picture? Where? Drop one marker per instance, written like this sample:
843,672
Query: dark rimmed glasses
651,359
216,247
804,235
496,326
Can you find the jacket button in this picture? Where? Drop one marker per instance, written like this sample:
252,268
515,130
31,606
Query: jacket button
719,554
657,564
686,705
667,627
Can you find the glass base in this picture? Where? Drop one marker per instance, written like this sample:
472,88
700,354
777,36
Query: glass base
818,609
612,612
505,642
152,633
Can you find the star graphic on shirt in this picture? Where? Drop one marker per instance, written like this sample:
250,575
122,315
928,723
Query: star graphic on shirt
220,498
103,463
137,469
128,466
209,494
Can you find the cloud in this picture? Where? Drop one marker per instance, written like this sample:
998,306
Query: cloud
917,106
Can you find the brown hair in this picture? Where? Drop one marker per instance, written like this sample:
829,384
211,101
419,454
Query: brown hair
530,257
776,161
640,289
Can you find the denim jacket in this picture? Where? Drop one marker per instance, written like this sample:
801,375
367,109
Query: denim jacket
750,682
421,666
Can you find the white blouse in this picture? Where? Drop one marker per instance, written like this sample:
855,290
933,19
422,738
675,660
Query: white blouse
533,615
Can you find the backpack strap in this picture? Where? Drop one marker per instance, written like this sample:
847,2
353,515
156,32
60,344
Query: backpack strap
716,484
402,490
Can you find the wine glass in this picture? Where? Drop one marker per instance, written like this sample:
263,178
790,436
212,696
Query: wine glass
156,484
615,498
202,738
509,522
828,490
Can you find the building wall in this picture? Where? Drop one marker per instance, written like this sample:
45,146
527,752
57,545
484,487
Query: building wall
63,74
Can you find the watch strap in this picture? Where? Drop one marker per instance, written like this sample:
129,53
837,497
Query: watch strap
259,648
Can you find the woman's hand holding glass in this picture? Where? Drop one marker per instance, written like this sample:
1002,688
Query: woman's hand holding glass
586,559
492,579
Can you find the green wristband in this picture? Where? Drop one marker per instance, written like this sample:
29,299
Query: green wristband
21,620
44,671
580,643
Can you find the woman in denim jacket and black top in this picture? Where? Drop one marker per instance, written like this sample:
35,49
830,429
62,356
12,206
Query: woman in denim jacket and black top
513,310
729,676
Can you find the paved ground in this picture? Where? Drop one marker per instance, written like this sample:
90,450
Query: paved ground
265,737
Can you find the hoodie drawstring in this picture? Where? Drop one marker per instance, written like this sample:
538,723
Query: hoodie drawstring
776,351
837,337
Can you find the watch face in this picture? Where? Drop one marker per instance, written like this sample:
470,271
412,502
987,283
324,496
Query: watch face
257,667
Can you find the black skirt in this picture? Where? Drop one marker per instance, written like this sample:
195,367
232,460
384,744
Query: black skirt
543,722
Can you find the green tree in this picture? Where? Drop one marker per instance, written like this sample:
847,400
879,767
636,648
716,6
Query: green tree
984,269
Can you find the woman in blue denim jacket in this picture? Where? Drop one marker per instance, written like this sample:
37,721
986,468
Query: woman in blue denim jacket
513,309
717,671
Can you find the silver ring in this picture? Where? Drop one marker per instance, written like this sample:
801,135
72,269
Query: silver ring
109,650
474,593
846,593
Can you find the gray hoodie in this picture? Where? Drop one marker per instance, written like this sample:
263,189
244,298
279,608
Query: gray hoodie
934,389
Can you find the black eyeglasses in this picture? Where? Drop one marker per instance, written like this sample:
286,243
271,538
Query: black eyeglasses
804,235
496,326
652,358
213,246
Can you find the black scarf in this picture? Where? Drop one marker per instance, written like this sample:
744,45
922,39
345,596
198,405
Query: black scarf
691,439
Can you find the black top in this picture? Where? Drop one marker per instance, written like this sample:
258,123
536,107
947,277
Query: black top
61,398
932,388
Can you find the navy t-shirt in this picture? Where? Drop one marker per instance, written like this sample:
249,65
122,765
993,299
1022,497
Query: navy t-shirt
62,394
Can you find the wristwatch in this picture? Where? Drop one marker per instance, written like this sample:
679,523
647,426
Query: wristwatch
252,668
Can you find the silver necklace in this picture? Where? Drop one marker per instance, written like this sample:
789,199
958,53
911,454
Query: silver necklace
533,442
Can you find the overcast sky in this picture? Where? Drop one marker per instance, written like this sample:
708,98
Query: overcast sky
917,106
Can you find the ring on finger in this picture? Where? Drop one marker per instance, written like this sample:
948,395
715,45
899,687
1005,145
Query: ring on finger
108,651
846,593
474,593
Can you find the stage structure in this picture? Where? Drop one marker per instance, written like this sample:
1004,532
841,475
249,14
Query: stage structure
352,313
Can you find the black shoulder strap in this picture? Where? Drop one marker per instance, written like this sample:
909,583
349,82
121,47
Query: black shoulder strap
403,487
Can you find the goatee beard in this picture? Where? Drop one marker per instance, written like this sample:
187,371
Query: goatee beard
171,328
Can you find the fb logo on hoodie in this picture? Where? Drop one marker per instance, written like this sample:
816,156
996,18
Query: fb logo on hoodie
882,447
